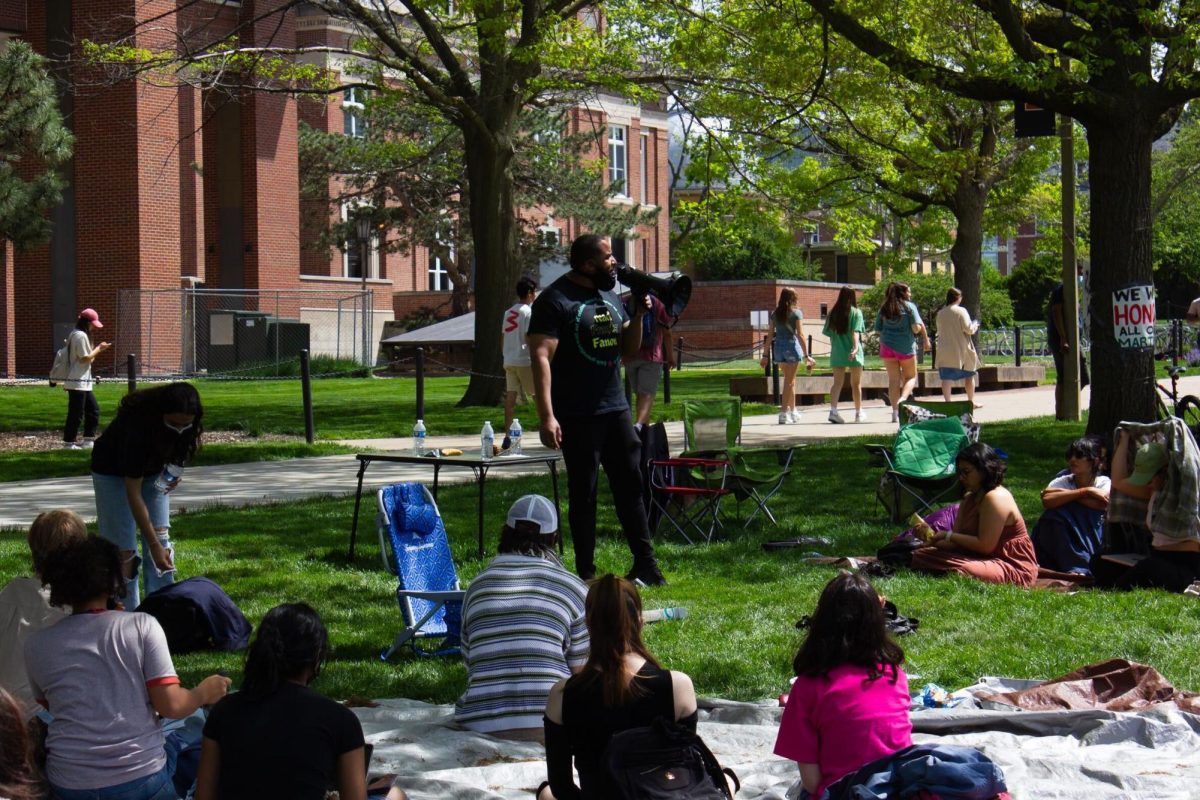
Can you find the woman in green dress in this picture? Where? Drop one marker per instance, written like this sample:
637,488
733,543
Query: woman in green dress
844,326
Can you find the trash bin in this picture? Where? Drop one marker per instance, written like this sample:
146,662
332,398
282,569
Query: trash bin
286,338
237,339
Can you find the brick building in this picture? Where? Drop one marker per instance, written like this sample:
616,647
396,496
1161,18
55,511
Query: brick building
174,186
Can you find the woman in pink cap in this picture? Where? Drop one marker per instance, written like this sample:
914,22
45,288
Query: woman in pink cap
81,401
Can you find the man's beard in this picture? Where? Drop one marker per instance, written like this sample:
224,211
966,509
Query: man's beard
604,279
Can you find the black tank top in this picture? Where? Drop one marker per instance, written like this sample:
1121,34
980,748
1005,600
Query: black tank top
590,724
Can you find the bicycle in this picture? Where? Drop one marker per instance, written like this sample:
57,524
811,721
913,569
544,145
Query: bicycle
1186,408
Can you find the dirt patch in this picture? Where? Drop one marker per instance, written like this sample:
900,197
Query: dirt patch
34,441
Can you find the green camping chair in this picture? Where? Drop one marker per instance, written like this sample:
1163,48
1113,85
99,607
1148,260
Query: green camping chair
714,428
913,410
920,469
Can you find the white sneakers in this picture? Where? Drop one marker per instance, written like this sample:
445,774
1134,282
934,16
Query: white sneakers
784,418
860,416
835,417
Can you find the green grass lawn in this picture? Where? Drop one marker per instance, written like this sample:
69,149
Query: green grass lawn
739,637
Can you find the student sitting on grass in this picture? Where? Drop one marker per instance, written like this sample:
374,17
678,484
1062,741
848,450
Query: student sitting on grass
1174,561
849,704
1068,534
988,541
104,675
277,737
620,687
25,602
18,775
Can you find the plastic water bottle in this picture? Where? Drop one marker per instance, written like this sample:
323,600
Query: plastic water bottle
419,438
664,614
514,437
170,473
487,439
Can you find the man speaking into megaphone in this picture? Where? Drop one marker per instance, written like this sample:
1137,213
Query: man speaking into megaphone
578,332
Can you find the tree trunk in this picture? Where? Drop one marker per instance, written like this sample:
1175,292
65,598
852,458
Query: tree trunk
1119,173
494,231
969,201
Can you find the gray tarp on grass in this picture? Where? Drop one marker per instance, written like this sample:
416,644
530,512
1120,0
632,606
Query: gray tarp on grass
1069,755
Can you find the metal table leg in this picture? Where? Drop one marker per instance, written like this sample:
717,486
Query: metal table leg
362,468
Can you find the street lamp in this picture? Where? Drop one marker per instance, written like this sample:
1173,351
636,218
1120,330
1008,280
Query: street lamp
363,228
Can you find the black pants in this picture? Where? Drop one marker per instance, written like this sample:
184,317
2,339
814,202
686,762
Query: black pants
81,406
608,440
1172,570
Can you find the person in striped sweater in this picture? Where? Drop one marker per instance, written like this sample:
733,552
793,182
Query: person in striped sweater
523,627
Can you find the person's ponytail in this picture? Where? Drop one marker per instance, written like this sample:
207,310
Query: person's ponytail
614,621
291,639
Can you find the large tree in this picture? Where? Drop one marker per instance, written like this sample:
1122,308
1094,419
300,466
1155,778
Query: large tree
34,143
1133,67
476,64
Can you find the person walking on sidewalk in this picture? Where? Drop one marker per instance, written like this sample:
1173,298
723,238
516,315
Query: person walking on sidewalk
518,376
577,334
81,400
645,370
899,324
785,342
956,356
845,326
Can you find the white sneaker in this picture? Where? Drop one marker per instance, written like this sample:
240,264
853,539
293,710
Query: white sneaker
835,417
88,444
784,418
794,418
860,416
71,446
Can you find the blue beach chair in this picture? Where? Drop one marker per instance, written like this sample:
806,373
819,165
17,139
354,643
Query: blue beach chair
414,548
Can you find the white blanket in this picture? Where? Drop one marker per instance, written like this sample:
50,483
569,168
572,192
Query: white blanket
1079,755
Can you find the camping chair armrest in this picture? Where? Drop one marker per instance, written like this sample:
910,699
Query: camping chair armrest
709,455
878,455
783,453
442,597
690,461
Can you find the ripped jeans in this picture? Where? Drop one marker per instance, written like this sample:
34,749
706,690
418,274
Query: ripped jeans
115,522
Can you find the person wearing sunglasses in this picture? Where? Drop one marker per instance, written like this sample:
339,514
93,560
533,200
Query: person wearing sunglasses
153,428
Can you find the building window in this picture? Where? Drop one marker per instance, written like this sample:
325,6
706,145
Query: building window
643,148
354,122
619,250
617,164
842,269
439,278
824,310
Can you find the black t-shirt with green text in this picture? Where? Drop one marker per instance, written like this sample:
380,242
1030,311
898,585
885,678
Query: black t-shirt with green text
585,374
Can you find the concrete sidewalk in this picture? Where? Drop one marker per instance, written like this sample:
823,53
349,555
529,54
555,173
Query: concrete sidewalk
268,481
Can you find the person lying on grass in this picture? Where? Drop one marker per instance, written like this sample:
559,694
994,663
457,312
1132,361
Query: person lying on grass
988,541
1068,534
106,675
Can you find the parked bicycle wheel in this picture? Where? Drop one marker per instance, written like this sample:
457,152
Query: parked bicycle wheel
1188,410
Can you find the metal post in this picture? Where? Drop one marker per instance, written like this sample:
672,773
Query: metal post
420,368
679,354
1018,345
775,381
1070,380
306,391
666,382
131,371
1176,341
766,355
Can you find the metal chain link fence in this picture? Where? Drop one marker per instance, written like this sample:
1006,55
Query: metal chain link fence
219,332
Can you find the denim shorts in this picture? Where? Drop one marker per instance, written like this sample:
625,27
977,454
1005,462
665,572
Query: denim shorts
152,787
954,373
786,351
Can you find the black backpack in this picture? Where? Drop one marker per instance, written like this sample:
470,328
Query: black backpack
664,761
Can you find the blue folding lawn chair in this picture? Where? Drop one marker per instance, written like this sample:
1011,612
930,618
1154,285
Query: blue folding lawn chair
414,548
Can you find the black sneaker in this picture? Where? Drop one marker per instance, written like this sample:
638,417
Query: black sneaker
646,575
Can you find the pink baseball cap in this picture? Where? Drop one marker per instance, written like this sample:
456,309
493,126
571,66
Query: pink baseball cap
91,316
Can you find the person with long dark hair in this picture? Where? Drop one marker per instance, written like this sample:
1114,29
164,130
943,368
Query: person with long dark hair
18,774
106,676
153,428
621,686
79,383
277,737
785,343
988,540
844,326
899,325
849,703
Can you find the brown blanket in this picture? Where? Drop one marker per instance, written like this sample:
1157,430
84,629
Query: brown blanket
1115,685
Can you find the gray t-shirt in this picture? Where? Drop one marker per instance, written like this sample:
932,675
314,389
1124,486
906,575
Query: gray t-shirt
94,671
79,373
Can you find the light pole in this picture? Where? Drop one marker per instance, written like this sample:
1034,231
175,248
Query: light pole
363,228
